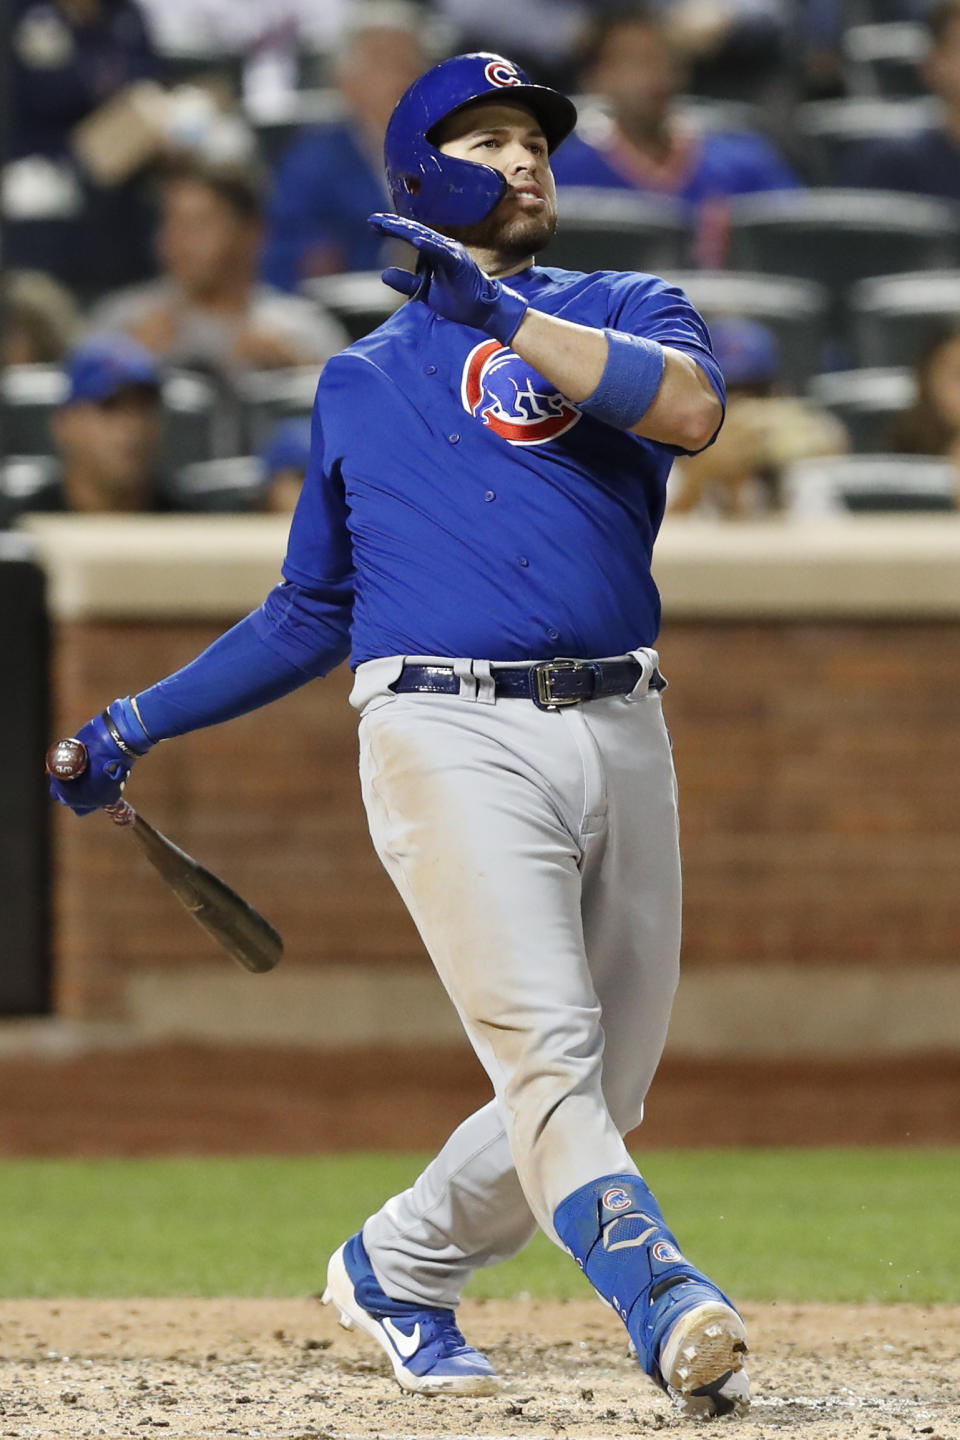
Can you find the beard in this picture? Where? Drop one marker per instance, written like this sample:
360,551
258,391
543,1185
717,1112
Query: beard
506,233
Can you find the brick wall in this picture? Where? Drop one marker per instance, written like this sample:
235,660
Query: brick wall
820,805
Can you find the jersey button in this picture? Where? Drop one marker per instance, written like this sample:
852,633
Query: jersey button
490,495
429,369
554,634
522,560
454,438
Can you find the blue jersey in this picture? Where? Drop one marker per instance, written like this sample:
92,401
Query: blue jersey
472,508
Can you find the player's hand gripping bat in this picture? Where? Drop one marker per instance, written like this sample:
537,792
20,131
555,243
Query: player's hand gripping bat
237,926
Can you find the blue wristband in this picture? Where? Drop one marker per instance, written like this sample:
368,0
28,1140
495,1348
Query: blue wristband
629,382
125,715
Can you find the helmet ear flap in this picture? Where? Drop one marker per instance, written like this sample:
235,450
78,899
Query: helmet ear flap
444,190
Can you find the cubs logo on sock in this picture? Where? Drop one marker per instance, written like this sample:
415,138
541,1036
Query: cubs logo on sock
616,1198
512,398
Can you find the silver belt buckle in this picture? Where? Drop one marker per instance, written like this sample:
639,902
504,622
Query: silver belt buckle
545,699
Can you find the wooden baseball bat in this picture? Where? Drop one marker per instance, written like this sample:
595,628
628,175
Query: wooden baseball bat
237,926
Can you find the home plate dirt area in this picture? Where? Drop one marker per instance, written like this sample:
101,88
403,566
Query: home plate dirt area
284,1369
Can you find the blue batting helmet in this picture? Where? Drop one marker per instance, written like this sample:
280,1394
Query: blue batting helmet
439,189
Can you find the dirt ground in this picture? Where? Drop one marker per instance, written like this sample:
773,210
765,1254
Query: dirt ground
195,1099
96,1370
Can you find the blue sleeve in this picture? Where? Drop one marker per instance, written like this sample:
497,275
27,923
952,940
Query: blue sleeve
769,169
271,652
319,551
297,218
644,305
301,631
658,311
741,163
577,163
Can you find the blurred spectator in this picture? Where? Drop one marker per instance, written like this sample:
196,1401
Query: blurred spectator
38,319
927,163
637,142
285,458
108,431
211,27
738,476
68,59
931,426
540,35
331,178
208,311
735,49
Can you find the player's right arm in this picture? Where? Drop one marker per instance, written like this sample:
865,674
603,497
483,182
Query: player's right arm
301,631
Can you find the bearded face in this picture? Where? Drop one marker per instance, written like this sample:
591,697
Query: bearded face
508,233
508,138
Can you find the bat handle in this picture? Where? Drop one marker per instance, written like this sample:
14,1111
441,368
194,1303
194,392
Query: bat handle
121,812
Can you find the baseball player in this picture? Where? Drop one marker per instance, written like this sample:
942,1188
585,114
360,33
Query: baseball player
487,477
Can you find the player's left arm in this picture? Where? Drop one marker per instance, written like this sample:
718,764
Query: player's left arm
683,406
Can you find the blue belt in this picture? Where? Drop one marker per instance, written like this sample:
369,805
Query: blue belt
548,683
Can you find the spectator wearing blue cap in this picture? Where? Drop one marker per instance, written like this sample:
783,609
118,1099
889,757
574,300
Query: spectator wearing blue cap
108,430
284,459
764,431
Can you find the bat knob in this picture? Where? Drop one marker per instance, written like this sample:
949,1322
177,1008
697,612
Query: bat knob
67,759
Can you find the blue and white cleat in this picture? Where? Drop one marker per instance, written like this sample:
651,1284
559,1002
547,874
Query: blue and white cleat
427,1351
700,1362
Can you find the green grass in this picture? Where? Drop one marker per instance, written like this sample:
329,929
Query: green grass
786,1225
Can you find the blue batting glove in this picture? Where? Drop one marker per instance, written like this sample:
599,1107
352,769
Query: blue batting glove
113,740
451,282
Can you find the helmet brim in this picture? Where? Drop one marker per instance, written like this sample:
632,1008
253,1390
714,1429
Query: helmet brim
555,113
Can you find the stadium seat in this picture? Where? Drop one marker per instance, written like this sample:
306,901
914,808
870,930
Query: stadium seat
828,132
721,116
885,59
270,396
278,122
192,419
200,64
359,300
835,485
795,310
27,482
29,394
842,236
894,317
866,401
604,229
217,486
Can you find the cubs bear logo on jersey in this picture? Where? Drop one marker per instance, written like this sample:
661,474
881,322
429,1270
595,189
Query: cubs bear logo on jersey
513,398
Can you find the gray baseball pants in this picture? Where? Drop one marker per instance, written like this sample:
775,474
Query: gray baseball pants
537,852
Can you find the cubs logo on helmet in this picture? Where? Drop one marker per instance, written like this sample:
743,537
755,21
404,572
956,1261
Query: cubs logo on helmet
512,398
503,72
